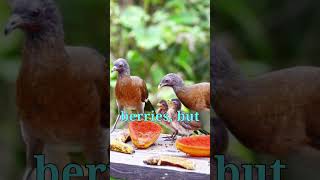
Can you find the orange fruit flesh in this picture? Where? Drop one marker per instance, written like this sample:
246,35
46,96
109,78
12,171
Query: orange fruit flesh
198,146
144,133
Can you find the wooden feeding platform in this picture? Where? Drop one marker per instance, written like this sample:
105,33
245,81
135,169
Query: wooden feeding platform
131,166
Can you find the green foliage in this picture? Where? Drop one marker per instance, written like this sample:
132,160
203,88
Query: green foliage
160,37
170,38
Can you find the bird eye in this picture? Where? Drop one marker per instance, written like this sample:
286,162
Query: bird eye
166,81
35,13
120,65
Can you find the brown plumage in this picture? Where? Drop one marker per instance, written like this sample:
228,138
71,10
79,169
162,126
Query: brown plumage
162,109
195,97
180,127
276,113
61,91
131,91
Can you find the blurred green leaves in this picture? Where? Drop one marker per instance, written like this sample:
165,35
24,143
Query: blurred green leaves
170,33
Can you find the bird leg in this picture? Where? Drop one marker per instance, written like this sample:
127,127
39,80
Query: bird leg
120,109
115,124
140,109
96,152
172,137
33,146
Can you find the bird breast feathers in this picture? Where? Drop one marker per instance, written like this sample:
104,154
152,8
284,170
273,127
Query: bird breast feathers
130,89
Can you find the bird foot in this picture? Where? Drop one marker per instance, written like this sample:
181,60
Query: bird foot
170,138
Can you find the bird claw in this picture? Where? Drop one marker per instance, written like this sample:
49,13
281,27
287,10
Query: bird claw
169,138
166,137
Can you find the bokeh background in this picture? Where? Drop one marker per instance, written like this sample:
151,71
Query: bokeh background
85,25
160,37
268,35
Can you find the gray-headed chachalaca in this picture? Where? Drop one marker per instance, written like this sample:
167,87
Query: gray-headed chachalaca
276,113
62,90
195,97
131,91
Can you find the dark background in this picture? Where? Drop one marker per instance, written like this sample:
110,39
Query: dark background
268,35
85,24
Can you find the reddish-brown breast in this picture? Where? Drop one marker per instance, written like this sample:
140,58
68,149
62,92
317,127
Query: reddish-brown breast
130,91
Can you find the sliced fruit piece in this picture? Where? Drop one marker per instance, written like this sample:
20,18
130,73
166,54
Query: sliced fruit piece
198,146
144,133
119,146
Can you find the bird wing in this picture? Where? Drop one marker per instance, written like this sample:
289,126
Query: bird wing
91,65
142,86
193,125
195,97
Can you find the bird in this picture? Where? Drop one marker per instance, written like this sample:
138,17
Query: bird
195,97
219,131
130,91
61,91
276,113
179,127
162,109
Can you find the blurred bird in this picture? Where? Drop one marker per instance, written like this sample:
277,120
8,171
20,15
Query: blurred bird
163,109
276,113
180,127
195,97
131,91
61,90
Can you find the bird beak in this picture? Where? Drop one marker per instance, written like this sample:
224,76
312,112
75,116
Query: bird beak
160,86
14,22
114,69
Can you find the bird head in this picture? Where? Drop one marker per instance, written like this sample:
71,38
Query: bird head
121,66
163,105
171,80
33,16
175,104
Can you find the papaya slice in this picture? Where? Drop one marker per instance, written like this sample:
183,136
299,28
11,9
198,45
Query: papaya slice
198,146
144,133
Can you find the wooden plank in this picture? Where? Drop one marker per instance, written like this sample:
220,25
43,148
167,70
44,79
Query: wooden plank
131,166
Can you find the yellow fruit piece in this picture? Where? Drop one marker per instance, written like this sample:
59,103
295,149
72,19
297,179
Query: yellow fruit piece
119,146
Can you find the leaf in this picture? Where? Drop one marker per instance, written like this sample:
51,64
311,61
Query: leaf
133,17
148,38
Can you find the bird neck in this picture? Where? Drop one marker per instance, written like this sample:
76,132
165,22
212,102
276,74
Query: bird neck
162,111
50,36
225,73
49,39
44,49
124,74
178,87
230,88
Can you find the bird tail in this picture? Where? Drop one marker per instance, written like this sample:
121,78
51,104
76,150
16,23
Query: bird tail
201,132
148,106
